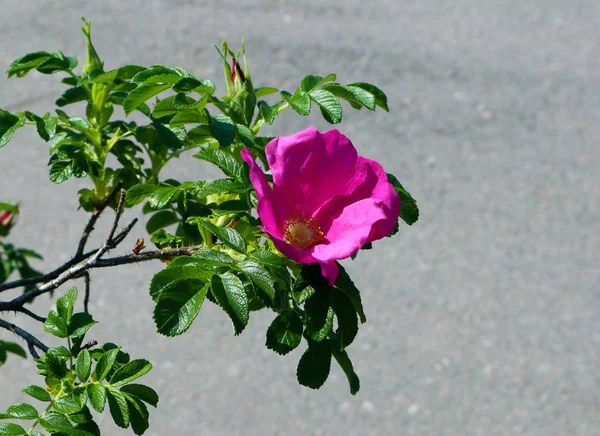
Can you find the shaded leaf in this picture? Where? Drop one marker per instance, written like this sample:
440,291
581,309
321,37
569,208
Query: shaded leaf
285,332
315,363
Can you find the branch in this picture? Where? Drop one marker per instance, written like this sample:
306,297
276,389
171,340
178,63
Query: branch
149,255
31,340
88,230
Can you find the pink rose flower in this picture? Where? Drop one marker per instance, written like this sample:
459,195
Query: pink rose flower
7,220
326,202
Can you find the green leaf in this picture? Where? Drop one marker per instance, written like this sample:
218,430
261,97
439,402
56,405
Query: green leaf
319,315
212,258
173,105
20,411
378,94
57,422
226,162
346,365
144,393
79,325
10,429
182,268
178,305
55,325
37,392
311,82
72,95
118,407
138,193
268,112
65,304
97,395
105,364
14,348
83,365
222,128
347,319
61,171
227,236
130,371
259,276
67,405
345,284
218,186
329,105
138,414
156,74
409,211
141,94
8,124
285,332
274,263
261,92
22,65
229,292
315,363
160,220
300,101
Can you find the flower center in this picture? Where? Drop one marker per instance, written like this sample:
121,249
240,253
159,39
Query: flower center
303,232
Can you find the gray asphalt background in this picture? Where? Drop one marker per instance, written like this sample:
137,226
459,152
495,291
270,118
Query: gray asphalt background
483,317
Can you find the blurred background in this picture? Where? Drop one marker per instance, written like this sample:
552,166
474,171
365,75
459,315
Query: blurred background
484,317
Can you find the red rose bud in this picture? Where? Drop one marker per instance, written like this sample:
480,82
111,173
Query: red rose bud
235,70
7,220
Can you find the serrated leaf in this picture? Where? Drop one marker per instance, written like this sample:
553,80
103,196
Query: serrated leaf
178,305
329,105
229,292
227,236
409,212
274,263
182,268
285,332
56,422
345,284
347,319
218,186
65,304
61,171
141,94
315,363
67,405
300,101
259,276
346,365
20,411
105,364
157,74
268,112
261,92
143,392
118,407
10,429
226,162
222,128
79,325
55,325
378,94
37,392
8,124
72,95
138,414
319,316
311,82
83,365
130,371
138,193
23,64
97,395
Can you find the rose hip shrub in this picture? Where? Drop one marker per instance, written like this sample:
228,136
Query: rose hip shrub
317,202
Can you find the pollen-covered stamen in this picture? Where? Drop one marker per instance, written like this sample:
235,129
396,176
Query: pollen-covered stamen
303,232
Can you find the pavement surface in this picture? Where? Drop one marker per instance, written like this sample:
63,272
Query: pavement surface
484,317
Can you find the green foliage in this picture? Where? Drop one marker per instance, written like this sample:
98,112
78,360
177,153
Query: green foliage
76,377
230,260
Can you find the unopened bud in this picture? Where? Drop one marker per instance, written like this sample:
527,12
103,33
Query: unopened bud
7,220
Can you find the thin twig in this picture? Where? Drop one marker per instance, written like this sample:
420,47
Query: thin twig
31,314
119,211
86,300
149,255
88,230
31,340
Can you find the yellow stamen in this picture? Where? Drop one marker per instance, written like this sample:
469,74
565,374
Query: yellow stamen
303,232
